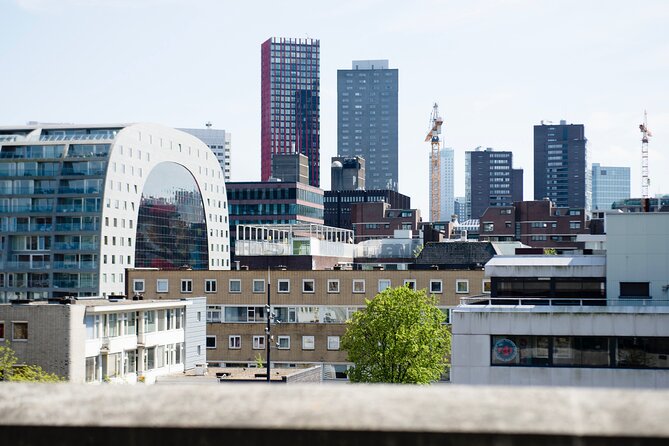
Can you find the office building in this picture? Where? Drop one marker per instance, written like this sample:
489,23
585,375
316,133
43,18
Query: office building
367,117
576,320
609,185
290,168
460,208
378,220
446,186
561,171
80,204
337,205
347,173
290,95
272,202
538,224
220,142
658,204
119,340
491,180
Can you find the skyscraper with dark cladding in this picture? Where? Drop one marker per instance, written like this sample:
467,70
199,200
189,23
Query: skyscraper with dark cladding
367,119
290,102
561,165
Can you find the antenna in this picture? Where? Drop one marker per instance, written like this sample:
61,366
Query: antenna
208,124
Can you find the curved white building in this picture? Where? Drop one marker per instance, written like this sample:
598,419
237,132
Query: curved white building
79,204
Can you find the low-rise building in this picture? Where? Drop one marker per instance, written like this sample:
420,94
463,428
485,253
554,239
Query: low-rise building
311,306
99,340
378,220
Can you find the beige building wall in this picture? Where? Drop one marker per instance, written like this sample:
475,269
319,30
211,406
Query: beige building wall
324,294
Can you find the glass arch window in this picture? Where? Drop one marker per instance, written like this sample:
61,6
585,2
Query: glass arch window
171,227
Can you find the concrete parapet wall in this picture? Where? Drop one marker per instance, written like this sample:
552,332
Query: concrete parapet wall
65,414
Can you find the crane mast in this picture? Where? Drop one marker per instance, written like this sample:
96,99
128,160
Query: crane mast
645,180
435,162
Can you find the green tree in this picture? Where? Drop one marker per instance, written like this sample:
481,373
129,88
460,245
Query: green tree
398,338
9,371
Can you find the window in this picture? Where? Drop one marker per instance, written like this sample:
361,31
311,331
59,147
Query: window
488,227
259,343
211,341
283,343
283,286
234,342
358,285
308,286
138,285
214,313
410,283
258,285
635,290
19,331
436,286
383,284
186,285
505,211
162,286
2,331
485,286
308,343
235,286
210,285
333,342
333,285
574,225
462,286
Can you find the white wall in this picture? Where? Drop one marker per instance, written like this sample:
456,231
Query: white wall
471,349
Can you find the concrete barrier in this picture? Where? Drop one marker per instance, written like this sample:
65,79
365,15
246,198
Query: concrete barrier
65,414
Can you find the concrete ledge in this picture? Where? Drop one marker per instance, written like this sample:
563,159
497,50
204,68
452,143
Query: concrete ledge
64,414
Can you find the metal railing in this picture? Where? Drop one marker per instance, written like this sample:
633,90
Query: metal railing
486,299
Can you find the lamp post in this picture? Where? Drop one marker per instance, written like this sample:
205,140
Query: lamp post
268,336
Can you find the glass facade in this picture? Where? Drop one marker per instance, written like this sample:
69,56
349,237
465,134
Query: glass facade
580,351
49,194
290,102
609,184
171,227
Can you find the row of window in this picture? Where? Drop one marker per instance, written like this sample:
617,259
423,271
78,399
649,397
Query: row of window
123,363
308,285
580,351
282,342
125,324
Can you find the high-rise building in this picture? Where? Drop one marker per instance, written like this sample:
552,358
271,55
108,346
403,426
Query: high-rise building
491,180
347,173
290,120
609,184
460,208
561,165
80,204
367,119
447,205
219,141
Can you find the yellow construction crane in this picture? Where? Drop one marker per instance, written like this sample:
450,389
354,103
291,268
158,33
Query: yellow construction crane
645,180
435,162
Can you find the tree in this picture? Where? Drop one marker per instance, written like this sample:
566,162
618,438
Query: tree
398,338
10,371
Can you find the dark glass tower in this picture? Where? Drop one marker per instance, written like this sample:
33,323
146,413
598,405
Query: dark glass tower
561,165
367,116
290,99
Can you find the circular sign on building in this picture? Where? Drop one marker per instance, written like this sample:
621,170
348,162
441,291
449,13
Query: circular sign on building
505,350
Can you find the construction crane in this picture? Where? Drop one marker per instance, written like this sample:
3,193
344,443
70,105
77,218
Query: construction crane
645,181
435,163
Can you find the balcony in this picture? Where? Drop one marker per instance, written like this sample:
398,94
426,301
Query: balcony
327,414
75,265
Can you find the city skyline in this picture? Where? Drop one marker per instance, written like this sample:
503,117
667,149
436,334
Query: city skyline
491,84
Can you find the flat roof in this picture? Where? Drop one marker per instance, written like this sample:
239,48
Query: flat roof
548,260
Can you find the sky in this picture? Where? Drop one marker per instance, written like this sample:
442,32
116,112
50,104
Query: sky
496,68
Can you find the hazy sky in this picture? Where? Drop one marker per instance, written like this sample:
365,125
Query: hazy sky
496,68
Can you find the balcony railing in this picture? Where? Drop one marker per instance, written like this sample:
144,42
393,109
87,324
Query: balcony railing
486,299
